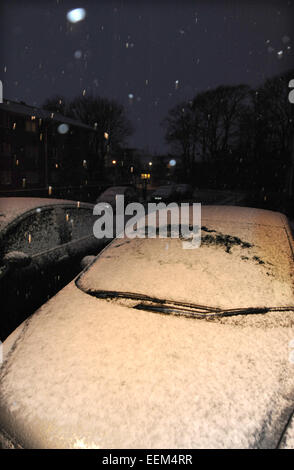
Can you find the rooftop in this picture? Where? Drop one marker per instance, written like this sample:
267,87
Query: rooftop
27,110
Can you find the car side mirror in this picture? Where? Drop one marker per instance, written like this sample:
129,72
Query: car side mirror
17,259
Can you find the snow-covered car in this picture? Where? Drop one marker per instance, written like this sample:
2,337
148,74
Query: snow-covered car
156,346
42,242
109,195
164,194
184,191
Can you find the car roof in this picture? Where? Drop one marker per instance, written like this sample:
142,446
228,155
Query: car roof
13,207
114,189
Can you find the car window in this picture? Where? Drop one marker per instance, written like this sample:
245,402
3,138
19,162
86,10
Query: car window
79,221
37,232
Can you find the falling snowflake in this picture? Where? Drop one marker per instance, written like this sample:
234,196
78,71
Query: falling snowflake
76,15
285,39
78,54
63,128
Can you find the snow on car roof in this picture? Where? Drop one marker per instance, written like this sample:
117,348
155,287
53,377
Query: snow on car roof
13,207
247,215
115,189
245,260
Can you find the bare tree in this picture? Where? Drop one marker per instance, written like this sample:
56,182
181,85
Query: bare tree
209,125
274,124
107,117
181,127
218,113
56,104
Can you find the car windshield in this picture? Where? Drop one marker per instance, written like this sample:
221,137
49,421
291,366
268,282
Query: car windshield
235,268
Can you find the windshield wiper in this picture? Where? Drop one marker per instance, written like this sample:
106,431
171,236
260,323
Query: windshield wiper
145,302
198,311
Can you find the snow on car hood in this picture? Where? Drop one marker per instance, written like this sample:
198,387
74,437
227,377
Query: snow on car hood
84,372
236,266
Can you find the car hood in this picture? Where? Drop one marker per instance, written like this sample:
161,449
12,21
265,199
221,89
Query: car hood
88,373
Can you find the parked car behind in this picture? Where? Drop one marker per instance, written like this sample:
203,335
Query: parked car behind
109,195
42,242
164,194
156,346
184,191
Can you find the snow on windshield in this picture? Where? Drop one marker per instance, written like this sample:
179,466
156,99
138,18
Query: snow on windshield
235,267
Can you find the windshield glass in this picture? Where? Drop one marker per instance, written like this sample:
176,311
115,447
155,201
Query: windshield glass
235,267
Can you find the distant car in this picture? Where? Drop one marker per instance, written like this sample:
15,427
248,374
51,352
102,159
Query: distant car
42,242
109,195
164,194
184,191
156,346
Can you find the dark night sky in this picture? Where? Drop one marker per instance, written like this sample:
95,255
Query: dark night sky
141,48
